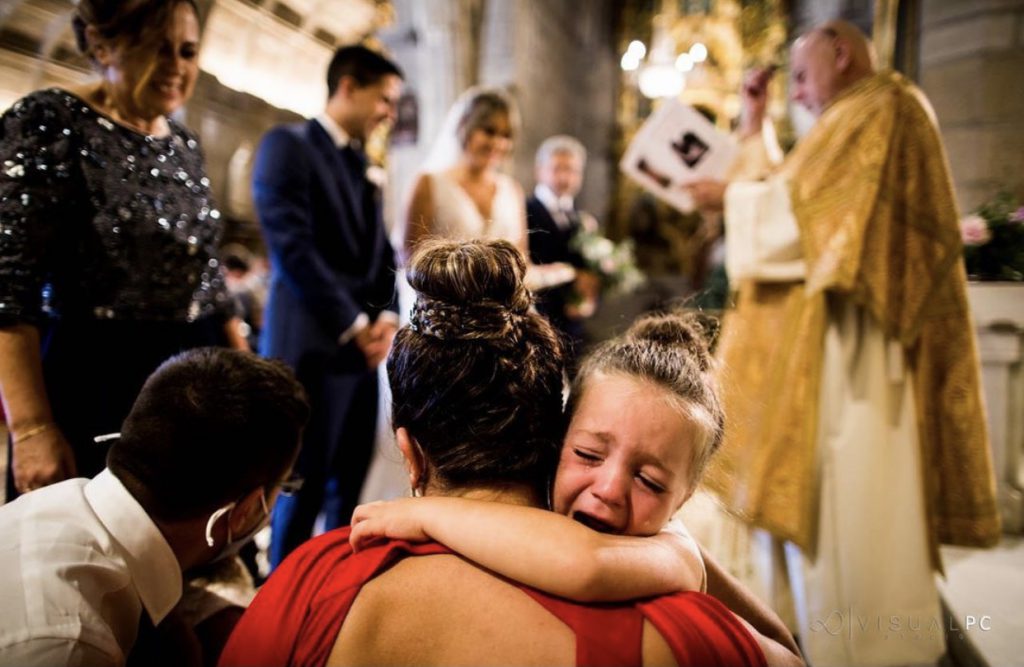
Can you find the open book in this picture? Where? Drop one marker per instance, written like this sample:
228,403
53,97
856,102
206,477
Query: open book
677,145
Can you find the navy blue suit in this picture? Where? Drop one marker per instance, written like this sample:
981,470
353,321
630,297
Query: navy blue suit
330,261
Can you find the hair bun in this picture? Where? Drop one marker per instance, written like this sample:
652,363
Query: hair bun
469,290
694,331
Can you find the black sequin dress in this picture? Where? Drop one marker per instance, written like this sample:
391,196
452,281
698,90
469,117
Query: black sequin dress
108,244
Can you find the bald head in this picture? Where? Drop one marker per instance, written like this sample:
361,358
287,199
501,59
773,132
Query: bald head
827,60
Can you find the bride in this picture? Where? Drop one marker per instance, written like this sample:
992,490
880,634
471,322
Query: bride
461,193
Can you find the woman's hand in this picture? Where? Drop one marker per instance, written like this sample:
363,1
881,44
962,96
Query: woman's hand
41,453
42,459
389,519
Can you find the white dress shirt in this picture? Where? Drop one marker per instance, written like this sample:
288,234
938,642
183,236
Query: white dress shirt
559,207
79,562
336,132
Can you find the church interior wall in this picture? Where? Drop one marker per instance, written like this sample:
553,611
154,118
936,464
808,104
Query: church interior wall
559,59
972,56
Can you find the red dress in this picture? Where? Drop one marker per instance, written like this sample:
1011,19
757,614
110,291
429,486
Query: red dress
296,617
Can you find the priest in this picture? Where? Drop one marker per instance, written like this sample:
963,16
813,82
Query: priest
856,430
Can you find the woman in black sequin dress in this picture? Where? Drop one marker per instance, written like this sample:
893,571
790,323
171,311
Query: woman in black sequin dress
108,239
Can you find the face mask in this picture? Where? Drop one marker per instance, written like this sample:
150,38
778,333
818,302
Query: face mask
232,546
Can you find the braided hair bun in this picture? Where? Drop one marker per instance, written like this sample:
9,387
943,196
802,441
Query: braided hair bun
476,376
469,291
692,332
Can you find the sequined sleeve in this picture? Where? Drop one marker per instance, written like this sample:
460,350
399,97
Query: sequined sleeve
36,189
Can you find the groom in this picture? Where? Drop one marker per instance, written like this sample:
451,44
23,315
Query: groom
330,311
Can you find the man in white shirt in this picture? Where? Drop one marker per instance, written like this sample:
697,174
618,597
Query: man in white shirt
191,478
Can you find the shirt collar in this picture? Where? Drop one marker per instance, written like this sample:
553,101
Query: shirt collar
338,135
551,201
154,568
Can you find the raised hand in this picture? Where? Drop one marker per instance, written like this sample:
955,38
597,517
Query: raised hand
754,95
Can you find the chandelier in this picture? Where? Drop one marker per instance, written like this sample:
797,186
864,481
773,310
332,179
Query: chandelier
662,72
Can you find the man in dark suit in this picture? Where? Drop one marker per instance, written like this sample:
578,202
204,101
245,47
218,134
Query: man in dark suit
331,306
553,221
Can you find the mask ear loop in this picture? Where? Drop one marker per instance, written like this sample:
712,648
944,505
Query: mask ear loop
213,519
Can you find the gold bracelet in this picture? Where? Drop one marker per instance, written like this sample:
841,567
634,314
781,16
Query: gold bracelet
32,432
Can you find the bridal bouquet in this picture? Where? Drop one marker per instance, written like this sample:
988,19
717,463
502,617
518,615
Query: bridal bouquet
613,262
994,240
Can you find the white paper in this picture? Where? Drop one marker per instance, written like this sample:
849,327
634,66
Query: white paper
677,145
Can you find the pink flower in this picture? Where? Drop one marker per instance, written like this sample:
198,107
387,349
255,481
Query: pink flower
974,230
1018,215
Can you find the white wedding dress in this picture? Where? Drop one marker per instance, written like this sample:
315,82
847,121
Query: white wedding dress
458,218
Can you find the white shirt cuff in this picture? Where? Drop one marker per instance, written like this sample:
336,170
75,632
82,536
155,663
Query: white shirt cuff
361,322
388,316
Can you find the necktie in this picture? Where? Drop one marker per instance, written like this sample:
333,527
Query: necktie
572,219
365,192
355,159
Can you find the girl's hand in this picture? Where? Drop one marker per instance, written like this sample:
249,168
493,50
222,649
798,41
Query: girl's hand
393,519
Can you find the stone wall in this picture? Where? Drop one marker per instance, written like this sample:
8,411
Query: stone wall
566,81
972,69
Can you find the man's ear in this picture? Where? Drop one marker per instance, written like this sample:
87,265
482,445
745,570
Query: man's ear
246,508
843,54
347,85
415,461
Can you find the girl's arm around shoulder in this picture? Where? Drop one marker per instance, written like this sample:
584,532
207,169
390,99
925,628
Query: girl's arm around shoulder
539,548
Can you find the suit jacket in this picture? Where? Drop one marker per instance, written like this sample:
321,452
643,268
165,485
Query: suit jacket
550,243
329,252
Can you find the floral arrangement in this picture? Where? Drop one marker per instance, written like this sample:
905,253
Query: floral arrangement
994,240
613,262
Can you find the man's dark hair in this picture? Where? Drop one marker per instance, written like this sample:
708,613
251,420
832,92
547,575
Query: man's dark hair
364,65
209,426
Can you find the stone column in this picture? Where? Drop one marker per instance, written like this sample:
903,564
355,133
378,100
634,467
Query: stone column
972,59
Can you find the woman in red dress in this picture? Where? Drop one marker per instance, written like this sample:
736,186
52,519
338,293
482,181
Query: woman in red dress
477,389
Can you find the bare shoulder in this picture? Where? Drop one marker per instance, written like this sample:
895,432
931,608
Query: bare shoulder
444,610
